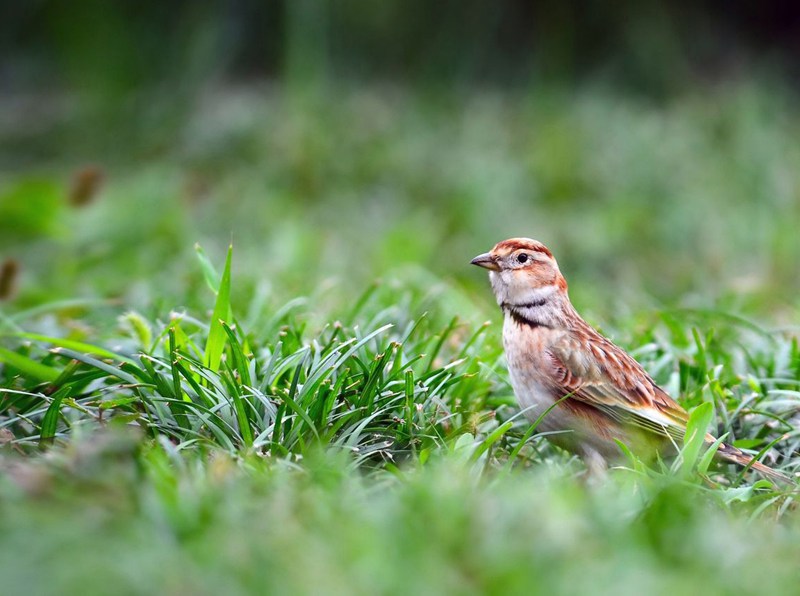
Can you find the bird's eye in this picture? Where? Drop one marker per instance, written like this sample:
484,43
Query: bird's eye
522,258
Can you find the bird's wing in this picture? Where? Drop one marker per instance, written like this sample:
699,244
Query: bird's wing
589,368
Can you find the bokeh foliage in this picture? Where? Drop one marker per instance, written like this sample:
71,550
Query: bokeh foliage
695,197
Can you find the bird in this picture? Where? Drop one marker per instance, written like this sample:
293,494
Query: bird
587,394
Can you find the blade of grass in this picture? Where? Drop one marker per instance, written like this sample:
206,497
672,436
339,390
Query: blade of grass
199,391
50,421
491,439
215,343
371,384
111,370
176,375
409,395
694,439
27,366
239,359
235,392
442,338
208,269
708,456
77,346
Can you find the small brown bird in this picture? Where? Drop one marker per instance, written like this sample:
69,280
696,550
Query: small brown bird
553,355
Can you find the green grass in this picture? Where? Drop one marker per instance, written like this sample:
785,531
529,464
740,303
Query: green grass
272,419
247,525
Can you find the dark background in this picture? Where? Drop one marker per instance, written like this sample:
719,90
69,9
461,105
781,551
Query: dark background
647,46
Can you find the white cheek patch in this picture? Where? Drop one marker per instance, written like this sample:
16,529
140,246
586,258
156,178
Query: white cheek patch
512,289
499,285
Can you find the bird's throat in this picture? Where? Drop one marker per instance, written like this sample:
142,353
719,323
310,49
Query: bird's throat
537,309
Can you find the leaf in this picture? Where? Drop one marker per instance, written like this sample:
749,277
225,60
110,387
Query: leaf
289,398
463,444
77,346
240,362
50,420
190,378
222,310
300,412
110,404
239,408
708,456
495,436
371,384
748,443
176,375
442,337
112,370
409,405
140,327
529,433
207,267
693,441
30,368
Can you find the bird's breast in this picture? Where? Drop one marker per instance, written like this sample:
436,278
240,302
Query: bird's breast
525,348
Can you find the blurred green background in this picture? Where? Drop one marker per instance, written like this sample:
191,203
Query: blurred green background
654,146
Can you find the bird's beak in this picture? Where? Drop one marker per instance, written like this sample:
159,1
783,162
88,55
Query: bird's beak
486,260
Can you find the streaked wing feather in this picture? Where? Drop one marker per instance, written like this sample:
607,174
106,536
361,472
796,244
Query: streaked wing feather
593,370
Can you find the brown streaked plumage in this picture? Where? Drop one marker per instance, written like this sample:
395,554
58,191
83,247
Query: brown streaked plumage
553,355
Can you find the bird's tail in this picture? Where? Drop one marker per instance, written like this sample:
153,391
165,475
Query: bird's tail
737,456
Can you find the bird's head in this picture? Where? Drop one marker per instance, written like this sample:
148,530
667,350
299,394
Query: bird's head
522,271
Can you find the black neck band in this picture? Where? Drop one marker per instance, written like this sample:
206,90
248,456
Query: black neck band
521,320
